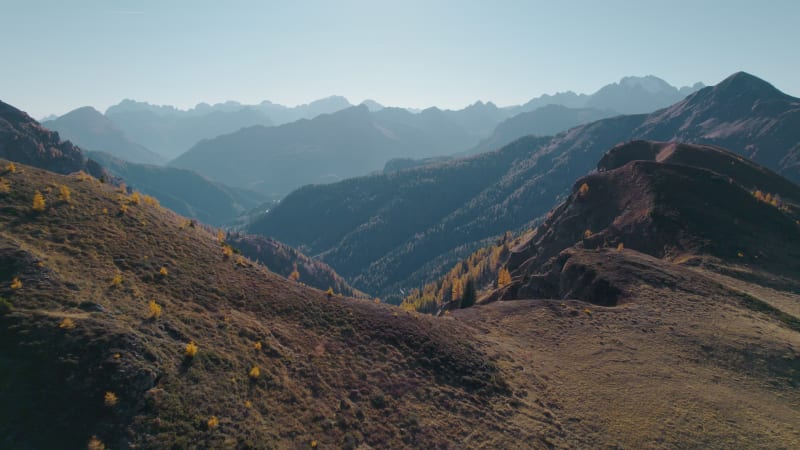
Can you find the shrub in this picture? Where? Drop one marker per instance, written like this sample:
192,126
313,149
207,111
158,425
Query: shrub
227,251
110,399
95,444
16,284
587,234
11,168
135,198
257,346
64,194
191,349
329,292
295,275
5,186
117,280
38,201
155,310
163,271
5,306
67,324
587,311
254,373
152,201
213,422
221,236
313,443
583,190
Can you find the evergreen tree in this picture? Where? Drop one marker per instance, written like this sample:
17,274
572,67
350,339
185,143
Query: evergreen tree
470,296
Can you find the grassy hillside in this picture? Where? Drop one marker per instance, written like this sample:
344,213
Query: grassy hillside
78,279
102,296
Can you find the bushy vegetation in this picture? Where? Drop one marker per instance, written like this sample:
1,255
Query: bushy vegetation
38,202
155,310
191,349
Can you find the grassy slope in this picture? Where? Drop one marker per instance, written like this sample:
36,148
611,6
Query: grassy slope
337,371
690,360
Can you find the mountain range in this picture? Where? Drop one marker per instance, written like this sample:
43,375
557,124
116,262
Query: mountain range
135,330
144,133
356,141
390,232
651,302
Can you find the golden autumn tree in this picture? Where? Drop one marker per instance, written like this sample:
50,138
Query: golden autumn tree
504,277
457,290
38,201
295,275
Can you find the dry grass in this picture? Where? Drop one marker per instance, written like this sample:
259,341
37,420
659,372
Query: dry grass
380,378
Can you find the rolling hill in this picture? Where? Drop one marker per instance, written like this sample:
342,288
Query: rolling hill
276,364
386,233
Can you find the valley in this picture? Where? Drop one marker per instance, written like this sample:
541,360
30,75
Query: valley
409,225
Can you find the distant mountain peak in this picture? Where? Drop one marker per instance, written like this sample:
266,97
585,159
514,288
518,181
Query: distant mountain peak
649,83
372,105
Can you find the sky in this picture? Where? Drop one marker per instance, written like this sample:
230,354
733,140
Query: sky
59,55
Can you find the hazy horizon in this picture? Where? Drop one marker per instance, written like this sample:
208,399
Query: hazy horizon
415,54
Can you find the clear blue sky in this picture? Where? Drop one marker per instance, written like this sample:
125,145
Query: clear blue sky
61,54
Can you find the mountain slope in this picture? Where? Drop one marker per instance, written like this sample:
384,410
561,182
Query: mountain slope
283,260
184,191
91,130
742,113
522,181
545,121
23,140
80,341
670,201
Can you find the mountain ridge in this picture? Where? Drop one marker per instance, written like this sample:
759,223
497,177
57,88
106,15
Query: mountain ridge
536,174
